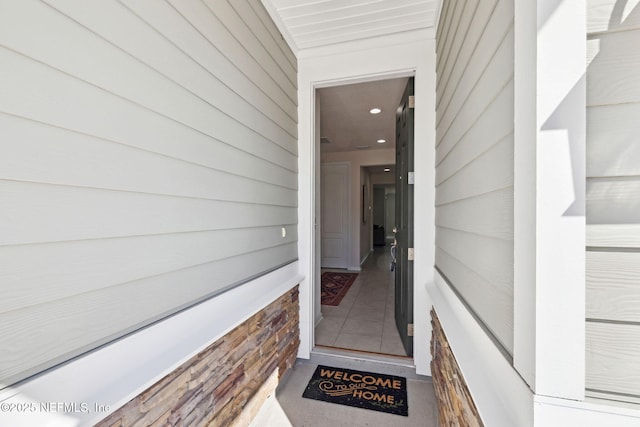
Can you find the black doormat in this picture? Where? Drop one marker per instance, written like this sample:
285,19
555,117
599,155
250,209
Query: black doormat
379,392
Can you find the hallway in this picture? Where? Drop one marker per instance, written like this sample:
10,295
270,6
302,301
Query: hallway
364,320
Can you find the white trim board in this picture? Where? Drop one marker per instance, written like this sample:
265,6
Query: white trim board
500,394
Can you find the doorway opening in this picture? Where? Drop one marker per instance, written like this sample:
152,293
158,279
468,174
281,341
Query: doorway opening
358,182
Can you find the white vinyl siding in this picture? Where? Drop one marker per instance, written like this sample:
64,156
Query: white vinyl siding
474,158
148,161
613,200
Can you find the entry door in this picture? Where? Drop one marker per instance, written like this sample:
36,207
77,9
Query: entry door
334,186
404,219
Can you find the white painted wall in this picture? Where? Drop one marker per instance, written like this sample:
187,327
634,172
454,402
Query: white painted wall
404,54
357,160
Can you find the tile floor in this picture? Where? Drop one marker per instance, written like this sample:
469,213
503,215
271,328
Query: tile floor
287,407
364,320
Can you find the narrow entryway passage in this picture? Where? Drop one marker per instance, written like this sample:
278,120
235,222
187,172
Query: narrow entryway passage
287,408
364,320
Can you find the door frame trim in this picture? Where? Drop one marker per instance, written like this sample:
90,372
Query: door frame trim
313,268
386,57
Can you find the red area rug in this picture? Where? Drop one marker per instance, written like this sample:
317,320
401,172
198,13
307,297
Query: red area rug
334,286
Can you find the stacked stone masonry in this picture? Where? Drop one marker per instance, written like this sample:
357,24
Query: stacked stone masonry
455,404
212,388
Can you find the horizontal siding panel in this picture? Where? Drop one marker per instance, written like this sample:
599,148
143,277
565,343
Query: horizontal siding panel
179,31
202,19
613,286
70,268
613,235
493,305
612,75
488,215
613,201
77,160
612,359
612,15
472,113
466,107
275,46
57,330
489,129
453,24
146,69
472,34
612,140
35,91
492,170
32,213
474,159
489,258
264,16
444,27
282,70
148,162
486,40
449,63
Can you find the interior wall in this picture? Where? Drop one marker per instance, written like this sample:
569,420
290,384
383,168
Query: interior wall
359,234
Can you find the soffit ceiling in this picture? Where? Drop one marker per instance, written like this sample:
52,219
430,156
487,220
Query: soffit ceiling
308,24
313,23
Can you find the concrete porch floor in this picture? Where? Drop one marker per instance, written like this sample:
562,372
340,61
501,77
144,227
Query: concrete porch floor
287,407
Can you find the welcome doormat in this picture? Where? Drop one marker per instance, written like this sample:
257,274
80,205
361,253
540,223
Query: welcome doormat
334,286
379,392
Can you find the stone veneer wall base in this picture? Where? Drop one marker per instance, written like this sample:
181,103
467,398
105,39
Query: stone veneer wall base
455,404
226,383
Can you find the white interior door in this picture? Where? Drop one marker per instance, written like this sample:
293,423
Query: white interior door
335,214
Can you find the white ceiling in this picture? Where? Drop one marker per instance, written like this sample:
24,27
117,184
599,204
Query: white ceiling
345,119
313,23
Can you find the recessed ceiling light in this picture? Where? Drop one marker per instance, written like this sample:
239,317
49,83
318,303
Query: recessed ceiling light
382,141
361,147
375,111
387,170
